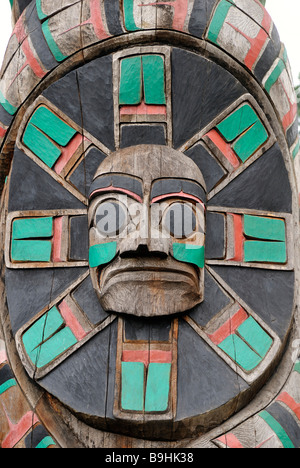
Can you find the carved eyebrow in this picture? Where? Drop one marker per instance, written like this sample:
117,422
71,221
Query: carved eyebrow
181,187
117,183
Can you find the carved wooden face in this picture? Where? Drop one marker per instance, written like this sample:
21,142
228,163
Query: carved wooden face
147,231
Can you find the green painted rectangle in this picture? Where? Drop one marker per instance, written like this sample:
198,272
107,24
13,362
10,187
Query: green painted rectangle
158,387
278,429
154,79
52,125
41,146
42,329
131,81
31,251
255,336
7,385
40,12
264,228
189,253
237,122
132,386
218,20
269,252
250,141
45,340
240,352
27,228
100,254
274,75
297,367
53,347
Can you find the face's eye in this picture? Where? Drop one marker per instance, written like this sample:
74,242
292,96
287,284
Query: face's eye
110,218
180,220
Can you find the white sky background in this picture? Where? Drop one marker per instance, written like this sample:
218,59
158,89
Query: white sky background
286,16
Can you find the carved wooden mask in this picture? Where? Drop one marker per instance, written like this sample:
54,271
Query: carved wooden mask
147,230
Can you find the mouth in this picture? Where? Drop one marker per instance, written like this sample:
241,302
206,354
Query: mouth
148,287
155,271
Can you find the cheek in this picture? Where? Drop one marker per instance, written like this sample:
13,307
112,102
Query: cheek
100,254
189,253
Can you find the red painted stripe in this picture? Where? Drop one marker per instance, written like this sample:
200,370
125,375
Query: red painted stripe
224,147
180,11
256,46
3,356
136,356
239,238
143,109
96,18
71,321
32,60
267,20
18,431
257,42
159,356
56,240
19,30
117,189
290,117
2,132
264,442
229,327
68,152
178,195
285,398
231,441
261,38
146,357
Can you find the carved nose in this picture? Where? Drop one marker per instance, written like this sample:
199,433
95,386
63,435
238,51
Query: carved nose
144,252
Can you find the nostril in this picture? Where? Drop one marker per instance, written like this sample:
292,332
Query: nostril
143,251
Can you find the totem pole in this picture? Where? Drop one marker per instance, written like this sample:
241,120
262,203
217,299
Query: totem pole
149,227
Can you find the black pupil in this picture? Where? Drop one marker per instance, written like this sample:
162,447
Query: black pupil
180,220
110,218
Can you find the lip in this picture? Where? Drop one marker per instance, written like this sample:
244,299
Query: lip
147,270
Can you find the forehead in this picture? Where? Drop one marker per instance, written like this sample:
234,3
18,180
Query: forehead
149,163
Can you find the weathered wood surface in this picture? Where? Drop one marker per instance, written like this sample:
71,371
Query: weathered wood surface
211,80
